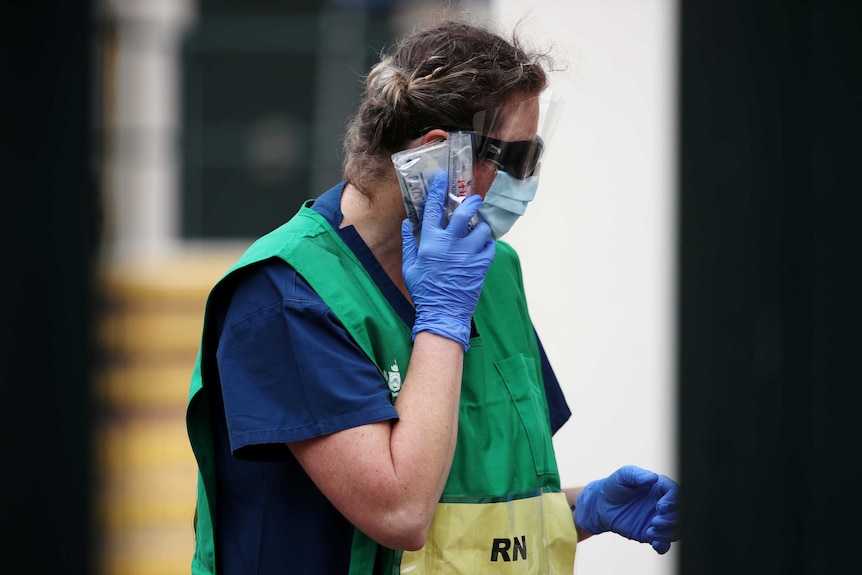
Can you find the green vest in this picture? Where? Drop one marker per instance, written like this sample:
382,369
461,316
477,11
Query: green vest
501,510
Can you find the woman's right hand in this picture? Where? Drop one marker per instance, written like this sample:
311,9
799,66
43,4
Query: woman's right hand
445,273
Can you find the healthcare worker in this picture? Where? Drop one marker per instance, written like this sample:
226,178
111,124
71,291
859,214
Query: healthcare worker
372,400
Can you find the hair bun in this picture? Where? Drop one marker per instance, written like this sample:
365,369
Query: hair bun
388,83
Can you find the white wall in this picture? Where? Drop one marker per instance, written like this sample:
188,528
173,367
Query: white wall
597,245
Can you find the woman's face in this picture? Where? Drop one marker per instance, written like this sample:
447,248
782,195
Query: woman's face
519,124
517,120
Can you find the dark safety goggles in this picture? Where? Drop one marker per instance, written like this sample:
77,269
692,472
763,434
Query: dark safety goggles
518,159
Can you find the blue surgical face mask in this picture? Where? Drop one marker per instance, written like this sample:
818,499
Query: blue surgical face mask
506,201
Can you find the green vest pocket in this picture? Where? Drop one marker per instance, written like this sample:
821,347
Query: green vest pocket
519,374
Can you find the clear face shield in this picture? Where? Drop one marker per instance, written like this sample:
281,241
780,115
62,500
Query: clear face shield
514,137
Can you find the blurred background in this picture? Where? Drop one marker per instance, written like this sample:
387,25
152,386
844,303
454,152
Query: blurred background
687,260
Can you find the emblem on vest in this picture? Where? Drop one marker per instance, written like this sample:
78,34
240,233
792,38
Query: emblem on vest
501,548
393,379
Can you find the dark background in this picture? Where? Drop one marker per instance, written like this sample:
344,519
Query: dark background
49,220
770,96
261,114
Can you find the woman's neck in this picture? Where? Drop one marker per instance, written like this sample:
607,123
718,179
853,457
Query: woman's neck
377,220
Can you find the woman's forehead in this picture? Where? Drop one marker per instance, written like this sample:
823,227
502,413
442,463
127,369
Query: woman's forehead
517,119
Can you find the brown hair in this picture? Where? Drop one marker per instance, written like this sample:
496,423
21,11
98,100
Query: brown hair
437,78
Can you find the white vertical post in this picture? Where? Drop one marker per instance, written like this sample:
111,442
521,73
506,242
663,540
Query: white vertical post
141,157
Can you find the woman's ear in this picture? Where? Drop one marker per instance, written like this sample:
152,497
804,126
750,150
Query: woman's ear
435,135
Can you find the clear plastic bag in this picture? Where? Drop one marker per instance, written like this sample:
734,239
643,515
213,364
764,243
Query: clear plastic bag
416,167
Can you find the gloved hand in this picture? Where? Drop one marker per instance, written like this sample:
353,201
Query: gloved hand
445,274
633,502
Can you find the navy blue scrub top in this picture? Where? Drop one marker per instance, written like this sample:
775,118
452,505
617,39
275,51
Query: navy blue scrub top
290,371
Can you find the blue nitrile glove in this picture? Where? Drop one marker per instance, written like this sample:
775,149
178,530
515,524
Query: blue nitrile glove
633,502
444,276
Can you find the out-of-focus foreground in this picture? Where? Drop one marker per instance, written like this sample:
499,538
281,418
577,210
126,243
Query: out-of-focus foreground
149,333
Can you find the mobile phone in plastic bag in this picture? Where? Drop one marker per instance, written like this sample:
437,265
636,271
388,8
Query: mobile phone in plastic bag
460,166
416,168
